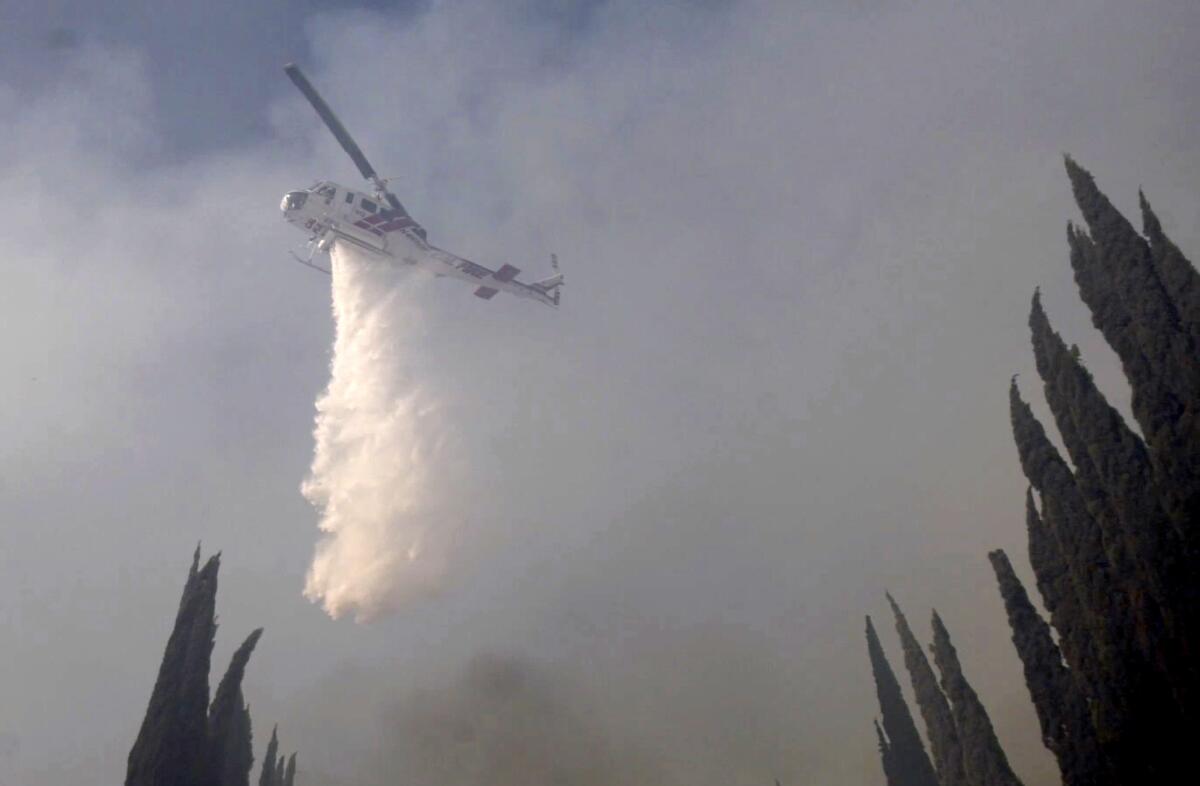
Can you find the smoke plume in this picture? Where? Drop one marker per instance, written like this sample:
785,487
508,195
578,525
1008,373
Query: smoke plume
379,437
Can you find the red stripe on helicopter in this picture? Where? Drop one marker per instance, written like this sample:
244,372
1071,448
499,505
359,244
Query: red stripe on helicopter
369,228
398,223
386,222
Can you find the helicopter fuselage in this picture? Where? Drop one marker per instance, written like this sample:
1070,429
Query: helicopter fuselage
378,223
330,213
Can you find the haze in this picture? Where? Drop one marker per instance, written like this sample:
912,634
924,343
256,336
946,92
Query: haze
799,241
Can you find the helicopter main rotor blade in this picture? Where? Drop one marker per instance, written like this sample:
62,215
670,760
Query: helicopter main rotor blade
346,141
331,120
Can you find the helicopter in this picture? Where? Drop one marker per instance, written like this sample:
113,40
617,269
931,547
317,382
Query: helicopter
378,224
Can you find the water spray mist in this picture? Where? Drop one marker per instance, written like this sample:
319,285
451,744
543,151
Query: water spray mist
381,451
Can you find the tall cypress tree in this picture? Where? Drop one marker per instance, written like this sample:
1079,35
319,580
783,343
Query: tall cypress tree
935,709
1062,708
983,758
1058,593
270,762
910,764
231,740
1130,304
1074,549
1121,270
886,758
1098,618
1175,271
171,748
1178,457
1115,479
277,770
1133,710
1122,525
183,740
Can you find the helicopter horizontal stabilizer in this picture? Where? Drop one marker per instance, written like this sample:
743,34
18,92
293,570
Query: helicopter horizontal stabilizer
486,292
506,273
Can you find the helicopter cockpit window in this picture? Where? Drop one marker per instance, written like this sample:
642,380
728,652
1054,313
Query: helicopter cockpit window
349,197
295,200
369,206
327,192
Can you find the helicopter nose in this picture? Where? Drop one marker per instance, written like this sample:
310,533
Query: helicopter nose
292,201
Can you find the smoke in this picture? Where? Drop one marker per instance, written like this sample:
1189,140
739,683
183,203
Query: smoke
736,714
381,448
503,720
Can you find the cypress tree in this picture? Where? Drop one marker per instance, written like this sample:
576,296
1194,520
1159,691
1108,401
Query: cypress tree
267,775
886,759
1058,593
183,740
1117,542
289,775
1069,543
1096,616
1122,267
1114,474
1182,472
1133,710
910,764
1115,478
232,752
1062,708
935,710
1120,282
171,748
1175,271
983,758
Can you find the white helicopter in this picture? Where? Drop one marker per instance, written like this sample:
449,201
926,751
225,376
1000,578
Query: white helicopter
379,224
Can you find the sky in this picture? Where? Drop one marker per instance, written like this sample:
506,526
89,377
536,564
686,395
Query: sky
799,239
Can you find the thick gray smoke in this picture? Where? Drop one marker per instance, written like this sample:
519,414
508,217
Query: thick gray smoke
800,241
504,720
381,451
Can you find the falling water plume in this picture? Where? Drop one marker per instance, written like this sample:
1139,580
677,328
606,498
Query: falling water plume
381,451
